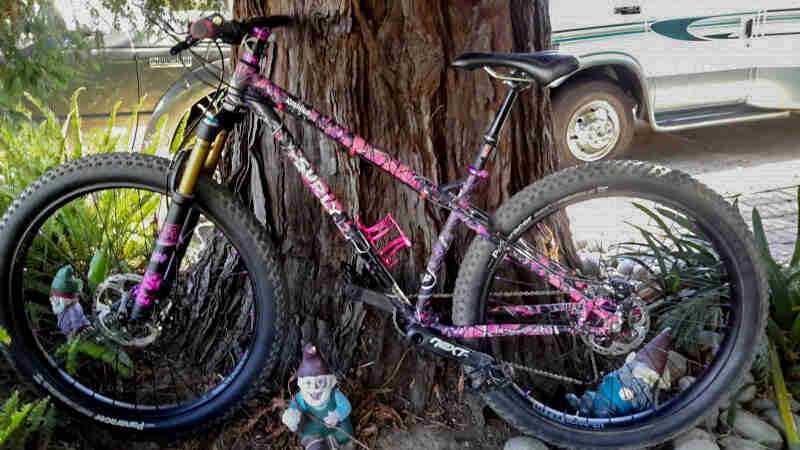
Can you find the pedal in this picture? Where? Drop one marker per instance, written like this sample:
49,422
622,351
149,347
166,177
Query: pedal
387,234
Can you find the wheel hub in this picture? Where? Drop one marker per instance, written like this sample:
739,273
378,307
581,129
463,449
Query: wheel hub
112,305
593,131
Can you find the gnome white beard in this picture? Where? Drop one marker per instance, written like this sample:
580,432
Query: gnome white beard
317,390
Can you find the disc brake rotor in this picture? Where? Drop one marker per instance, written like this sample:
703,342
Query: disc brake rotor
634,330
113,300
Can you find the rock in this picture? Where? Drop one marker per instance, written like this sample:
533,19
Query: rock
695,434
676,363
640,273
773,416
746,396
698,444
737,443
751,427
761,404
685,382
722,421
590,263
625,267
711,420
524,443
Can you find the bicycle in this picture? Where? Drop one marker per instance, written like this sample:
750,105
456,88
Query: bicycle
690,272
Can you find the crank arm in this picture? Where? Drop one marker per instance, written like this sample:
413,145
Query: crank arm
441,346
375,299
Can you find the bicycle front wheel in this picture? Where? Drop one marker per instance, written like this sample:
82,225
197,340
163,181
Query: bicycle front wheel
74,247
680,303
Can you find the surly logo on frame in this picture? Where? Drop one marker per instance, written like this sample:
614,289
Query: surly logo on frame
298,106
454,350
316,184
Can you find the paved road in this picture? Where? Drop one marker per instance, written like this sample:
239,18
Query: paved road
759,160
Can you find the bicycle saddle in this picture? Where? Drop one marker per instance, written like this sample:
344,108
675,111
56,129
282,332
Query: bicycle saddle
543,67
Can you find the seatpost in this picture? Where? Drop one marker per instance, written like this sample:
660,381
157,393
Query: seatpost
491,137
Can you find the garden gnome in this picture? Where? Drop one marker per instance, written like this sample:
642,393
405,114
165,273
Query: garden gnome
64,302
319,412
629,389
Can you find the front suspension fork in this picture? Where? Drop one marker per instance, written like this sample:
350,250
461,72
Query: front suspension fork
178,228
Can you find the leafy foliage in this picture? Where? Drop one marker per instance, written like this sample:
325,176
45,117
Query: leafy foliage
18,422
28,150
21,421
44,53
107,352
37,51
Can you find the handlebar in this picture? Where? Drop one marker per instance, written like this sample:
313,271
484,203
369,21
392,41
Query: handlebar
229,32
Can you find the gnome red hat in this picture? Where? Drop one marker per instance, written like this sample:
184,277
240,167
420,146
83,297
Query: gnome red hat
312,364
654,354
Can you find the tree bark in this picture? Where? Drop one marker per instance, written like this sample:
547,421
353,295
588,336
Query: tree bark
381,69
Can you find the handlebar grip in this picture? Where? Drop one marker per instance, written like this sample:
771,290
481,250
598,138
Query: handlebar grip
202,29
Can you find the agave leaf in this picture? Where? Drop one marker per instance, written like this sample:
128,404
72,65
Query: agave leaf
778,282
796,255
661,224
761,239
782,397
679,219
781,299
796,330
776,334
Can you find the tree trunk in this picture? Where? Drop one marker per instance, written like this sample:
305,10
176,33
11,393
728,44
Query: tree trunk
381,69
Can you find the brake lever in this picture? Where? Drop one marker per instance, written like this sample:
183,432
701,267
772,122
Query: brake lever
181,46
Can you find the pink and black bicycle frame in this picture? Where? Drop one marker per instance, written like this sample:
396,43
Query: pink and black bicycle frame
250,90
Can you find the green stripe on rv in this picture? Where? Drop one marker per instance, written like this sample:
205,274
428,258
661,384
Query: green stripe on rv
597,36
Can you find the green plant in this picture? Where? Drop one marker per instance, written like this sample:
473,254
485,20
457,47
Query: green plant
686,274
784,324
28,150
21,421
784,286
18,422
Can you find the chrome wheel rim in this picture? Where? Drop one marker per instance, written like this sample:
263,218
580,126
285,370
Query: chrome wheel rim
593,131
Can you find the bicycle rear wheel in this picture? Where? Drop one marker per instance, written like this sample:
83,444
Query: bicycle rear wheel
216,335
668,253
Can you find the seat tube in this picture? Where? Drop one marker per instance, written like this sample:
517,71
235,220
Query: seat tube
476,173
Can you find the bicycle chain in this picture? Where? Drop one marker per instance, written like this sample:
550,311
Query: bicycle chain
499,294
541,373
546,374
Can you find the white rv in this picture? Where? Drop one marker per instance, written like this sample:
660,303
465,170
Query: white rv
676,64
